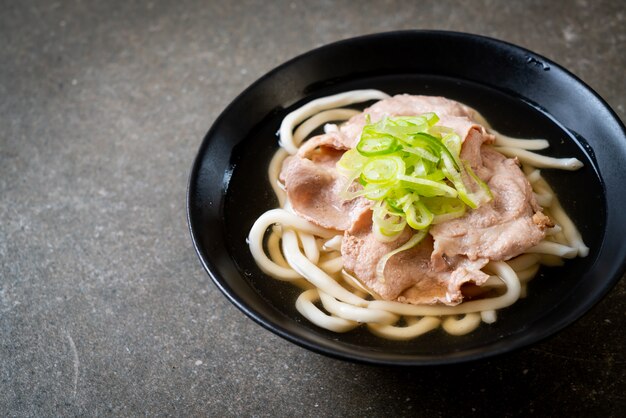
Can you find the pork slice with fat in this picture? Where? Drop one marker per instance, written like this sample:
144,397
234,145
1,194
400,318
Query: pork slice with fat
409,275
500,229
314,186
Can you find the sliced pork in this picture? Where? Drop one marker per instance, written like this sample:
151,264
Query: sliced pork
409,276
313,185
500,229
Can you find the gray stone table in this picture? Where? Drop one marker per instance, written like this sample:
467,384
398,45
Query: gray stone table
104,307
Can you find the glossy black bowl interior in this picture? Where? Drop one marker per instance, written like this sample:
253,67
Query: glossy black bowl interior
520,93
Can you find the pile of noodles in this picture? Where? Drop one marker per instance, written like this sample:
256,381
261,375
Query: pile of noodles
289,248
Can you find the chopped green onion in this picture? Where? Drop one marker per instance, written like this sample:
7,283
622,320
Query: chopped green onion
431,118
444,208
412,168
351,161
426,187
453,142
418,216
388,224
369,146
382,170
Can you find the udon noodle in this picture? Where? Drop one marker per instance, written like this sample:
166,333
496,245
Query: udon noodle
292,249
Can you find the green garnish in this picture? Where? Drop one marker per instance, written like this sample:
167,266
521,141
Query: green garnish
413,170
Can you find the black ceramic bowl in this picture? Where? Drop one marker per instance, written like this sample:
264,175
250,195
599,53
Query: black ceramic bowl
520,93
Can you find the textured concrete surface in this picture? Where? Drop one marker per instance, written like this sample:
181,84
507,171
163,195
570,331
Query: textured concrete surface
104,308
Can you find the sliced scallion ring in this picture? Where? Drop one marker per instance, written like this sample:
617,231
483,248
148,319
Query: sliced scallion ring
370,147
382,170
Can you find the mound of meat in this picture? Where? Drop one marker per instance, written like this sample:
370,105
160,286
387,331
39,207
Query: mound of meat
455,251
